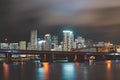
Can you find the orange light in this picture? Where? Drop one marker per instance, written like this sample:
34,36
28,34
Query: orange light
108,64
6,71
46,70
109,75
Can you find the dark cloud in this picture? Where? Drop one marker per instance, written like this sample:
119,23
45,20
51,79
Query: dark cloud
94,19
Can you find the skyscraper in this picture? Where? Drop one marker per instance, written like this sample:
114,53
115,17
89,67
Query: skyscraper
55,39
68,40
54,45
47,39
33,40
80,42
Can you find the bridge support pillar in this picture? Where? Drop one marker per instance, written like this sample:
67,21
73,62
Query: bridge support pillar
8,57
44,57
75,57
49,57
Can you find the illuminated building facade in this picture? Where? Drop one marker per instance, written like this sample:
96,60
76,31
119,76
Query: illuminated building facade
68,40
48,41
22,45
13,46
4,46
33,40
55,39
54,44
80,42
42,45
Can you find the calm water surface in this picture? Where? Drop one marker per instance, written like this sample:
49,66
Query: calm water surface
103,70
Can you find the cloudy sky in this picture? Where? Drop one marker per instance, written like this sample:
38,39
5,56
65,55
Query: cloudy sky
94,19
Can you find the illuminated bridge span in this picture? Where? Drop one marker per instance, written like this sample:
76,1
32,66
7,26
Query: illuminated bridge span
57,55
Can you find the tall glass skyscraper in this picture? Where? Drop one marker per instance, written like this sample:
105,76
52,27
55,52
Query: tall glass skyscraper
68,40
33,40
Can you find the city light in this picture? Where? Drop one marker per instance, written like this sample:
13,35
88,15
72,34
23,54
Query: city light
47,35
67,31
42,41
68,42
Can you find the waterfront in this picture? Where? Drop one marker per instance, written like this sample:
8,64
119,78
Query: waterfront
33,70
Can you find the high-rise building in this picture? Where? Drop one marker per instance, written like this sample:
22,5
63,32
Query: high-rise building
80,42
28,46
4,46
22,45
55,39
47,39
13,46
41,45
68,40
54,44
33,40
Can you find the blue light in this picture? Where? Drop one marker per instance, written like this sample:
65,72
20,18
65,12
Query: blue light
114,53
15,51
9,50
89,53
67,31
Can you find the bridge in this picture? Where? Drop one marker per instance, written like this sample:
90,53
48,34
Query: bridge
57,55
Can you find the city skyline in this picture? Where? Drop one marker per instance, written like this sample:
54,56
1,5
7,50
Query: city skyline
59,33
94,36
97,20
52,43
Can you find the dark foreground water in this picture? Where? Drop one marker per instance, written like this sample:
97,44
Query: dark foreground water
103,70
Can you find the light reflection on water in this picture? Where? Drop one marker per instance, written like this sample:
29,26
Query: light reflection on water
103,70
108,73
6,71
68,71
46,70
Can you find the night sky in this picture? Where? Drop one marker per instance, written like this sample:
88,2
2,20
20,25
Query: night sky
98,20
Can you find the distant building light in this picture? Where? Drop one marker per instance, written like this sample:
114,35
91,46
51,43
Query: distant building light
114,54
67,31
9,51
47,35
111,44
42,41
